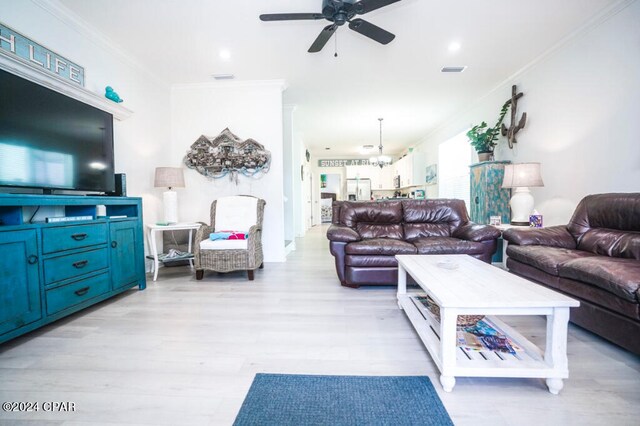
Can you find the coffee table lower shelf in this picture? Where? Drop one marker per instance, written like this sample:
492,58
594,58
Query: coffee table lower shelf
529,363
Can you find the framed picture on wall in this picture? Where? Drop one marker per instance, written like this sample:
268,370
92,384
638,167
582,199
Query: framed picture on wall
432,174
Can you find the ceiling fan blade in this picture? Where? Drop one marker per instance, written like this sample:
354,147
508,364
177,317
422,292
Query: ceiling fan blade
323,38
374,32
290,16
366,6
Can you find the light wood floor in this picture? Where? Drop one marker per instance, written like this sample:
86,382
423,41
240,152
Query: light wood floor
185,352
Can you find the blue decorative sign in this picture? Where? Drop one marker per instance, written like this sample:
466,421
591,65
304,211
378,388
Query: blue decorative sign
15,44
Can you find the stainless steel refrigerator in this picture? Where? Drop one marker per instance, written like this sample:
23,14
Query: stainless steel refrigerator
358,189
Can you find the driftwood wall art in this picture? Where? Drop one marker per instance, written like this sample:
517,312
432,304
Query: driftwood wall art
511,131
227,154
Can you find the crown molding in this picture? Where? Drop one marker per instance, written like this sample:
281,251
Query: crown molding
86,30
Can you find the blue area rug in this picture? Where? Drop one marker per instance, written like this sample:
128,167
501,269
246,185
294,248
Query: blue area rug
288,399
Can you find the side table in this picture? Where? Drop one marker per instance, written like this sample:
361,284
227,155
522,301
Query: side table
153,246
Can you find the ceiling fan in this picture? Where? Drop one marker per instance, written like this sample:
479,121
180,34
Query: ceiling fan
340,12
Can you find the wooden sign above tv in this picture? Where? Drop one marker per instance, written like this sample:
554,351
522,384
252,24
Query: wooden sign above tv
19,47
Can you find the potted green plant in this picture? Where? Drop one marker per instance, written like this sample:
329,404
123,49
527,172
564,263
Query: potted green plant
483,138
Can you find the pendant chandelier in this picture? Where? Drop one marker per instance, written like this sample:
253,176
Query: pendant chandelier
380,160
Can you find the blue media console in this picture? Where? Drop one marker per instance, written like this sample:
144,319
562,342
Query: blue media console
51,270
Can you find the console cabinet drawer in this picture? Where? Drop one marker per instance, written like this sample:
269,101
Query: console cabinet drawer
72,265
72,237
72,294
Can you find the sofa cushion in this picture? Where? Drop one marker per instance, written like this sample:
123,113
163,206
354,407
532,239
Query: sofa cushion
618,276
380,246
418,230
578,289
611,242
375,230
384,212
547,259
608,211
438,217
446,245
370,260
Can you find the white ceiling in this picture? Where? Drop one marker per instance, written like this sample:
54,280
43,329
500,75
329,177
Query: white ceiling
339,99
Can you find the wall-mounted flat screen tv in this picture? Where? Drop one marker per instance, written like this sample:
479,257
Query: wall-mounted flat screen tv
51,141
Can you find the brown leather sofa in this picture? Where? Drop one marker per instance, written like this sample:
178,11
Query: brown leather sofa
365,236
595,259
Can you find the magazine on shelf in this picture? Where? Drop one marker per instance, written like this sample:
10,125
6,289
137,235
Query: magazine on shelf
484,335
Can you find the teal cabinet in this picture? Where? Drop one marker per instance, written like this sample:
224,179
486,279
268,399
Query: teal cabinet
488,198
126,248
19,280
51,270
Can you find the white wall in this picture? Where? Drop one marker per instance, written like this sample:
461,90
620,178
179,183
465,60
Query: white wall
300,185
583,103
250,110
140,142
290,197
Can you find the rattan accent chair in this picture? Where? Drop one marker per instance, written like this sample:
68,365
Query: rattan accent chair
229,213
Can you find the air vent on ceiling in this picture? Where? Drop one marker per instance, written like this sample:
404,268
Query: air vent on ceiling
223,76
367,146
453,69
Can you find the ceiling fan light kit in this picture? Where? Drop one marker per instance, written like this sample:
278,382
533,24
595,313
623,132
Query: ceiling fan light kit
339,12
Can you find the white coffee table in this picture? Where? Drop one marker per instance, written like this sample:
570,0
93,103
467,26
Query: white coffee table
477,288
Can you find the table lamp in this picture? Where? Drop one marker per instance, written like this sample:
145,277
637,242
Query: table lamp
169,177
521,176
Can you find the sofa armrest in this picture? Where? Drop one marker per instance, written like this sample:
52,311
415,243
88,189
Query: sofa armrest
474,232
343,234
553,236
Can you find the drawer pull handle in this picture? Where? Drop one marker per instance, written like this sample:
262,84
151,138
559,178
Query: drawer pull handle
82,291
114,244
79,237
80,264
32,260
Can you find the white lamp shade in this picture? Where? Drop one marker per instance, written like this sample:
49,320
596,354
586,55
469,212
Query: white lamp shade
522,175
169,177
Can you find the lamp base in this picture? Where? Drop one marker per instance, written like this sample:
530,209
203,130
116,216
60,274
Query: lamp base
521,206
170,201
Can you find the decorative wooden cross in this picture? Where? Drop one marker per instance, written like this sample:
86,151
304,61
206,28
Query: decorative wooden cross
513,129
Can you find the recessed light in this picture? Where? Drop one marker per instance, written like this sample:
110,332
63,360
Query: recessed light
224,54
453,69
454,46
223,76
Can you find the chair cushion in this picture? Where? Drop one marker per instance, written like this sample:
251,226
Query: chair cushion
223,245
618,276
446,245
544,258
236,213
380,246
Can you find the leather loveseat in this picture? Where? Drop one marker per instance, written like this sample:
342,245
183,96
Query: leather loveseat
365,236
595,259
